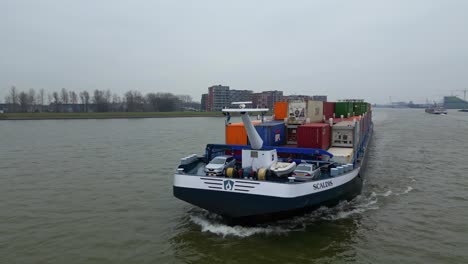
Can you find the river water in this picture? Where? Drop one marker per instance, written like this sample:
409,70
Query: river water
99,191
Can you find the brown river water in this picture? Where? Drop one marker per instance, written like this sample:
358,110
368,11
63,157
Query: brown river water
100,191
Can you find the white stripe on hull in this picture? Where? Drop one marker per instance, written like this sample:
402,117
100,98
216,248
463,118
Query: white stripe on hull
274,189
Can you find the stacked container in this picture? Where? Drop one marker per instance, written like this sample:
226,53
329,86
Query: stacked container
316,135
328,110
272,133
291,134
365,108
362,108
365,123
281,110
314,111
297,111
358,108
342,155
344,109
236,135
343,134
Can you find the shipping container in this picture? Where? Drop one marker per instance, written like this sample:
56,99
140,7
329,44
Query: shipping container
357,109
363,126
281,110
297,110
315,135
343,109
272,133
342,155
360,108
291,134
328,110
343,134
357,134
236,134
314,111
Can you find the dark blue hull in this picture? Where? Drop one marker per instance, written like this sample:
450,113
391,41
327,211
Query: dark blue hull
240,207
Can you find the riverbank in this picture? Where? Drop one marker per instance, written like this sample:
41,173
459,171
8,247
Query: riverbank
105,115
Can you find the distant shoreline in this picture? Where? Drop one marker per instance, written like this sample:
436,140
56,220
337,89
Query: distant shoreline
105,115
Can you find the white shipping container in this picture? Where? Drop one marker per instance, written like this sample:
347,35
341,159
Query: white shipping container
342,155
315,111
343,134
297,109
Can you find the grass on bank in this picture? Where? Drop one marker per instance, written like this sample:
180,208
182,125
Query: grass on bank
107,115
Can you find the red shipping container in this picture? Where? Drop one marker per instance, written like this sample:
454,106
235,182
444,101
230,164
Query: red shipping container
315,135
328,109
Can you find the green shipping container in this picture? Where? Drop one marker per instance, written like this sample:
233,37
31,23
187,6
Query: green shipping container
358,108
363,108
343,108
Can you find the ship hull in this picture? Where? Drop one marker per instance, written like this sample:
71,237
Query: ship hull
248,201
243,207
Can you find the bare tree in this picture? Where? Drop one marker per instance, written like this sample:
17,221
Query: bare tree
168,102
185,98
135,101
101,99
162,102
153,100
116,99
23,101
82,100
64,96
40,99
116,104
56,98
7,101
14,100
32,99
73,97
84,96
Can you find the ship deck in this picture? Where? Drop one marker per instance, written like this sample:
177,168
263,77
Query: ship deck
198,169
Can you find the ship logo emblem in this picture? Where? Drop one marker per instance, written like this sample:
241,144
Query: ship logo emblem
228,185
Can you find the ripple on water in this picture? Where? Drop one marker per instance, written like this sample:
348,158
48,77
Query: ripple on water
214,224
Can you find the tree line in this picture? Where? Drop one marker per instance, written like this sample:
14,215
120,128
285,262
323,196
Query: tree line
96,101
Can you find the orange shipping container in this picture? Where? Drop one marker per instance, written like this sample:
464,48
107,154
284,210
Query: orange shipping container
281,110
236,135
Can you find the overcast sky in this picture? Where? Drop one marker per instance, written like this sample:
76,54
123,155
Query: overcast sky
409,50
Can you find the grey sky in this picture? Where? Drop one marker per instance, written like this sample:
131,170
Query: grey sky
371,49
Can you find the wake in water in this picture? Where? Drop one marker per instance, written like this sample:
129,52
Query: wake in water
215,224
408,189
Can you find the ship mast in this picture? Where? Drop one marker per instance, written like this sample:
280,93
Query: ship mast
256,141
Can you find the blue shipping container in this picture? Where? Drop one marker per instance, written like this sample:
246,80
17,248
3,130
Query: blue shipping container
272,133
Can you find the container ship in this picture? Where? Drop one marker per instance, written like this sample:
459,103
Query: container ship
310,154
